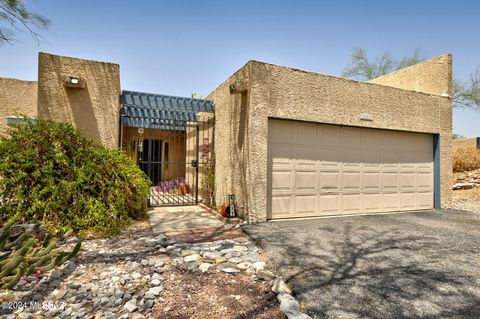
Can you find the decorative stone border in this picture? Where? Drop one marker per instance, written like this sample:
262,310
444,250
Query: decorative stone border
233,256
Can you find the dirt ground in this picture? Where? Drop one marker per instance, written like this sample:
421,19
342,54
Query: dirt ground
215,296
466,199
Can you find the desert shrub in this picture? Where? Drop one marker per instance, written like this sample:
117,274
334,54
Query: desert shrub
51,174
466,159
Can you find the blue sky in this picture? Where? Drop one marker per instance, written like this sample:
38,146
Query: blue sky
179,47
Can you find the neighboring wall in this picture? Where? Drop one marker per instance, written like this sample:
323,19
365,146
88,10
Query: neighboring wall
16,98
286,93
465,143
94,110
231,131
431,76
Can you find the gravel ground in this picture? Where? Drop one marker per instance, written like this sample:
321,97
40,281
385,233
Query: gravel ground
406,265
140,275
468,199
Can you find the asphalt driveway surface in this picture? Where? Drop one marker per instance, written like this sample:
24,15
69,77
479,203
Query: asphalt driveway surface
407,265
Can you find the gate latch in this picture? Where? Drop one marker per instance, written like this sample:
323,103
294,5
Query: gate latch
194,163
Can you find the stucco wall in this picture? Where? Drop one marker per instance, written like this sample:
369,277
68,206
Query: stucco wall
430,76
464,143
281,92
16,97
94,110
231,145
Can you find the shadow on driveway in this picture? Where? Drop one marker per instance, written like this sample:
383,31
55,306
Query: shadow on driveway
415,265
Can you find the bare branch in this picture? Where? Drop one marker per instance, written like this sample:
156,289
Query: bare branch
14,12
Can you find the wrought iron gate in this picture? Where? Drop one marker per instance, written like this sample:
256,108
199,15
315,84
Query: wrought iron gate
170,139
173,156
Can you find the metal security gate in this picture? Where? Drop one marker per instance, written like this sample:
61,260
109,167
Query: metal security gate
172,143
174,158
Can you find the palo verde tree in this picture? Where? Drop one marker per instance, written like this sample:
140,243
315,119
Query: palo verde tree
362,67
15,16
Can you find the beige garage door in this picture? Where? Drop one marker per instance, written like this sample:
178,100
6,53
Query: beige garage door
319,169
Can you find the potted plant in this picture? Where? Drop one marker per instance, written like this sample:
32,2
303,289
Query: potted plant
183,187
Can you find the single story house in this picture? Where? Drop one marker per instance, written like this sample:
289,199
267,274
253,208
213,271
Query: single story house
285,143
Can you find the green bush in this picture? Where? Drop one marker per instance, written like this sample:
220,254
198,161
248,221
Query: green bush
51,174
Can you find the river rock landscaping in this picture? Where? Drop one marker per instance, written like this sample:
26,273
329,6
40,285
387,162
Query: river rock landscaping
139,275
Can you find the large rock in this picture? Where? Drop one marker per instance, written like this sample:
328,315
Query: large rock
264,274
244,265
204,267
463,186
155,290
131,305
258,265
228,268
211,255
191,258
279,286
288,303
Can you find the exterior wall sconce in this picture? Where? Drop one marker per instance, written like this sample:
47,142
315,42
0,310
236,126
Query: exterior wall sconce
74,82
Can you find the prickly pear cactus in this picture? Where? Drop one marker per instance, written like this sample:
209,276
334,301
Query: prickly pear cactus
23,252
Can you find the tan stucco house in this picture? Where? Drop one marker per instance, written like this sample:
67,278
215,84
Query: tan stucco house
287,143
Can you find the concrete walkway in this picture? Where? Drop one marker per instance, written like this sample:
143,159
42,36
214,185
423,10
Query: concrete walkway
179,218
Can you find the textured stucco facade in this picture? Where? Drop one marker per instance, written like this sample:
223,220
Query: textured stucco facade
464,143
273,91
94,109
419,77
16,98
231,141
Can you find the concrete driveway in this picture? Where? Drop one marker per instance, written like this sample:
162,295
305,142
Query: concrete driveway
406,265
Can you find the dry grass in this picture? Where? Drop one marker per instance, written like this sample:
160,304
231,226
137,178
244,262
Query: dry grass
466,159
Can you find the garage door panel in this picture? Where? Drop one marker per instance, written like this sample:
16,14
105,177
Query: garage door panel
350,137
372,202
306,181
390,140
280,132
329,204
305,205
407,180
305,156
282,206
389,180
351,203
328,156
282,181
424,181
407,201
281,156
371,157
351,158
329,181
389,158
424,200
351,181
320,169
372,181
391,201
305,134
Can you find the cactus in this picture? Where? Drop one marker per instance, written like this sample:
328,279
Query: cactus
24,254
